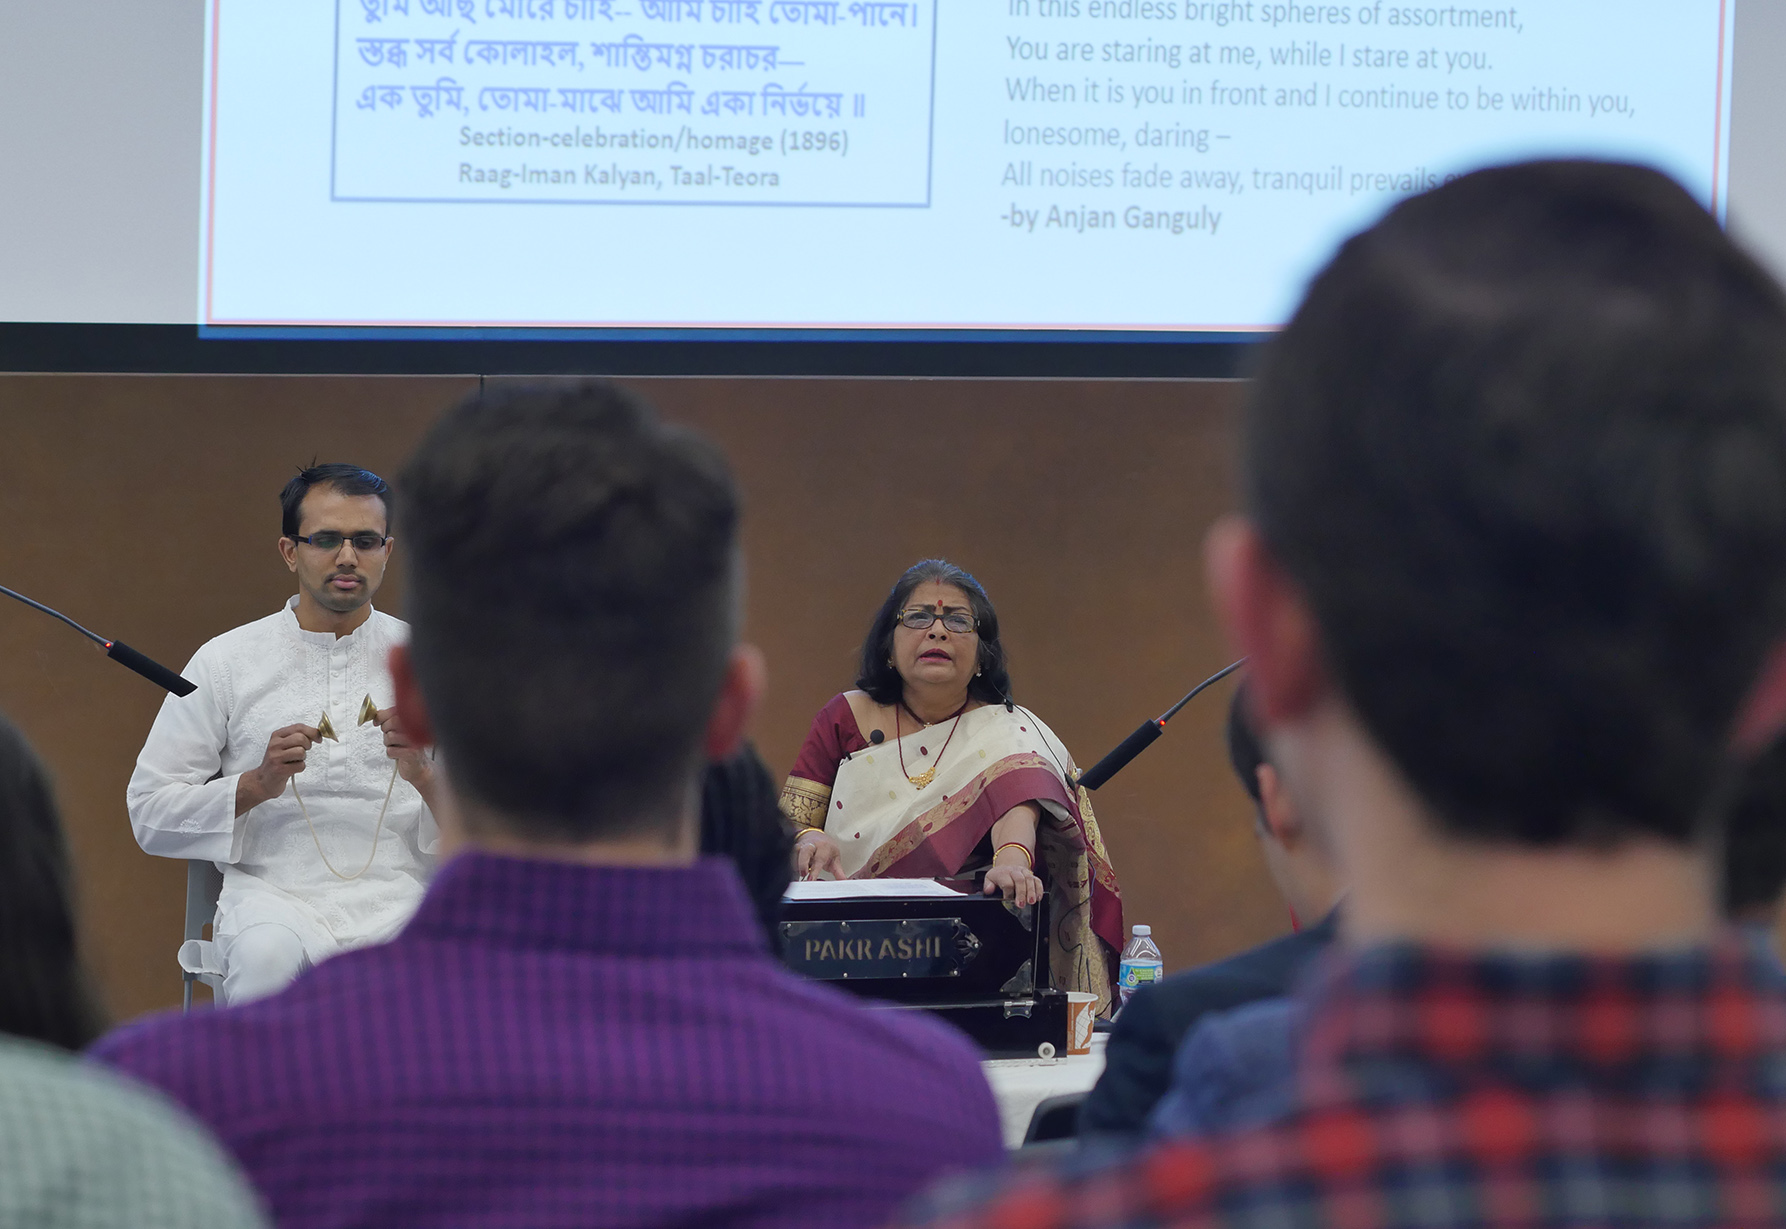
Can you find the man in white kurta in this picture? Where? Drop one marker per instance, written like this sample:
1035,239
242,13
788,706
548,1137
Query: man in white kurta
224,769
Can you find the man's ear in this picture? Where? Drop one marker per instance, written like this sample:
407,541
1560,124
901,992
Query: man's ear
740,693
1275,810
288,551
1267,619
412,712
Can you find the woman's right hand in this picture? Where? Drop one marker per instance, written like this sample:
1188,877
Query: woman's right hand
815,851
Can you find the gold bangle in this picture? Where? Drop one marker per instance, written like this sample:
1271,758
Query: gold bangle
810,832
1027,855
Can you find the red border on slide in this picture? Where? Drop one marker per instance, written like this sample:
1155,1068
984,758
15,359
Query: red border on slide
211,253
211,163
1718,105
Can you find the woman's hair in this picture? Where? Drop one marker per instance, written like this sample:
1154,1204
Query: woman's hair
876,674
44,994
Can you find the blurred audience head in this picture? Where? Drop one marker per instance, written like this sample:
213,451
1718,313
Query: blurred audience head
1755,842
1296,858
741,819
574,601
1521,456
44,993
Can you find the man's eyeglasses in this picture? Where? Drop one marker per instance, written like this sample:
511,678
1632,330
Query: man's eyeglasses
329,540
918,619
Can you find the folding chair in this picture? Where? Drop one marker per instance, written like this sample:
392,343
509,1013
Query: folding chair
198,962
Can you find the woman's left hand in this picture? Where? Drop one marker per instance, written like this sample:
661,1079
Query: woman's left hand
1018,884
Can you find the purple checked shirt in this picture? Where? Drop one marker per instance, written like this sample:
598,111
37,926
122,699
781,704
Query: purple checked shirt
558,1045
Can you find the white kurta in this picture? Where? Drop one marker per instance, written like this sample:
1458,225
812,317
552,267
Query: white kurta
182,796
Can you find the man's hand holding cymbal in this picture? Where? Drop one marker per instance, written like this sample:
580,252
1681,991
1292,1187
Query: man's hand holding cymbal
286,749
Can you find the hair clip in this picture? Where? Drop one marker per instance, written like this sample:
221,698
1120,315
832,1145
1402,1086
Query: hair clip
326,728
368,711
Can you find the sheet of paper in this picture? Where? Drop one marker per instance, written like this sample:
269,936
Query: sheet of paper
858,889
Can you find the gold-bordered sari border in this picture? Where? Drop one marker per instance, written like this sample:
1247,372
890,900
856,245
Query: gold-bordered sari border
951,808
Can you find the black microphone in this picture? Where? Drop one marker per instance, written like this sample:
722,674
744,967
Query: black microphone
875,737
149,668
1145,734
117,650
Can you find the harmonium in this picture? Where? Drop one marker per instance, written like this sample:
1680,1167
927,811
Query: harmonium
940,946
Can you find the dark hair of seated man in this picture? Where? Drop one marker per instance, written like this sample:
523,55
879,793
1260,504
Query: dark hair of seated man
1245,755
741,819
1511,583
626,574
1587,542
44,991
346,479
1755,842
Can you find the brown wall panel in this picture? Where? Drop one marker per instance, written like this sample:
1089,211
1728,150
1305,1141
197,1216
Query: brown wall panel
146,508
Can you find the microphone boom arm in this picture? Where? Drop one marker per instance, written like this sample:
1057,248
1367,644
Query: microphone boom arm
1146,733
117,650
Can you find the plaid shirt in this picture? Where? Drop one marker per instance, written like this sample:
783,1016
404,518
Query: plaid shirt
1440,1089
82,1149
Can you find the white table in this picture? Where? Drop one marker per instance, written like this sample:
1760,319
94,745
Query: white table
1021,1084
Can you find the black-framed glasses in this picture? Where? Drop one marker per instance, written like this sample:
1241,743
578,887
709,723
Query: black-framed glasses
921,618
329,540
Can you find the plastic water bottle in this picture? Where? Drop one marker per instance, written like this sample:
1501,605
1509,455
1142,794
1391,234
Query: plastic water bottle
1141,962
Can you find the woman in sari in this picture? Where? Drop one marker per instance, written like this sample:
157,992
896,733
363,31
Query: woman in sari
930,770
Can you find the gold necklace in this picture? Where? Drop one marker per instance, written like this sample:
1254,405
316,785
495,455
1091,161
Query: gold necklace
929,774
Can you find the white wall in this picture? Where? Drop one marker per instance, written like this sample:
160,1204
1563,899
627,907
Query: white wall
100,130
1758,131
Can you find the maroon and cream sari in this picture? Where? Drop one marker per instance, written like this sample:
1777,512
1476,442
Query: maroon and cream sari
994,760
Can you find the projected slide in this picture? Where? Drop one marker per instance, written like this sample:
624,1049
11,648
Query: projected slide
648,112
1141,165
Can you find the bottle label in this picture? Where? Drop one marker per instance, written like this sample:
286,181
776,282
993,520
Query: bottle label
1141,972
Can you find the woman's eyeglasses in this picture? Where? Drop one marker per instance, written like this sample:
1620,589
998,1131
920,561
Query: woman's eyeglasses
919,619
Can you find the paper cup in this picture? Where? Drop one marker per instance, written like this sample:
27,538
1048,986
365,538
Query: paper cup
1082,1009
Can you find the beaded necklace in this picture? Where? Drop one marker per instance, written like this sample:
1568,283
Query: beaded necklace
929,774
